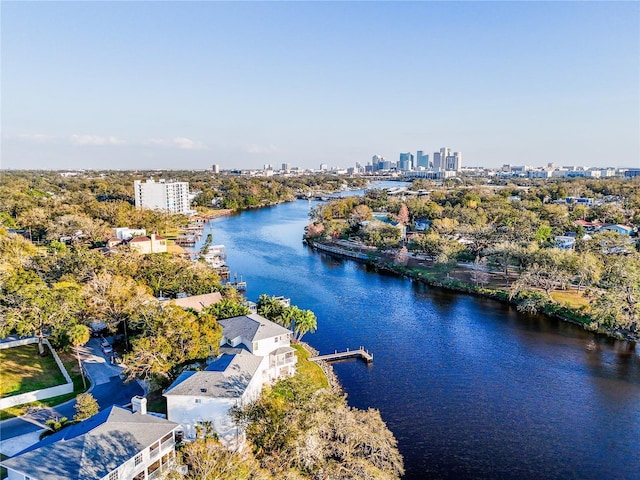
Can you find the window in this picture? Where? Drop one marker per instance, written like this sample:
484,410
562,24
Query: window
153,450
153,467
138,460
113,475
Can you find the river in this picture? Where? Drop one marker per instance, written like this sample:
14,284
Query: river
471,388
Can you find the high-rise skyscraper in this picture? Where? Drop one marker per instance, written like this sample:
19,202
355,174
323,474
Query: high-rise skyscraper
422,160
172,197
437,162
376,162
406,162
454,162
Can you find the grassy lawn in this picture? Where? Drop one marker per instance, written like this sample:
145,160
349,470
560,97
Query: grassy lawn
570,298
310,369
24,370
71,365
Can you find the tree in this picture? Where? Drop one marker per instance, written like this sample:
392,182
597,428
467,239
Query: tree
543,234
169,336
270,308
78,336
86,406
42,309
209,460
149,356
226,308
360,213
545,277
115,299
54,425
479,273
316,434
587,269
403,215
304,321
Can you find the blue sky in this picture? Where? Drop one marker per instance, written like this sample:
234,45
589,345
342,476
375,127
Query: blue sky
241,84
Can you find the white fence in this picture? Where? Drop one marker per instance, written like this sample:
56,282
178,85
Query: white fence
37,394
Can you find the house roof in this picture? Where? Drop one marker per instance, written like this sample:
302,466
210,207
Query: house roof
252,328
227,377
283,350
139,239
614,226
585,223
198,302
92,448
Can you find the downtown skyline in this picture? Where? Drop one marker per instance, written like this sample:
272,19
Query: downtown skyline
169,85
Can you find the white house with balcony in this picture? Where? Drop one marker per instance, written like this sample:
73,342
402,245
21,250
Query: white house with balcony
114,444
253,351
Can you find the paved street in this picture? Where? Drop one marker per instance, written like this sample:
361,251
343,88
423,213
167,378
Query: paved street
107,388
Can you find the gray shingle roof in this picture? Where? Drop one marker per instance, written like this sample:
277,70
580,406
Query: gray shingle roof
252,328
92,448
227,377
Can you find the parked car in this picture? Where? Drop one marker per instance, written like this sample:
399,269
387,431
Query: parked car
107,350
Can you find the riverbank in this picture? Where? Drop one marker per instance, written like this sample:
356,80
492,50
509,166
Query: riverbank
460,279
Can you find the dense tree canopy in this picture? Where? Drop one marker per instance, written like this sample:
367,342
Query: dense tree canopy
508,229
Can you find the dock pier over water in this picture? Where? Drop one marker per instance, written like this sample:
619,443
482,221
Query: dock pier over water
361,353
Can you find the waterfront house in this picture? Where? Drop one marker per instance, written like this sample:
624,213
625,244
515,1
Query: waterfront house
253,351
153,244
114,444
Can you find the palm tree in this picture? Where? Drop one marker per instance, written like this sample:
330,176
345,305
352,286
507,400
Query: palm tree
78,336
305,322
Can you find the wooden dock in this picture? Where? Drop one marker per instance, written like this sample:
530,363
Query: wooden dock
361,353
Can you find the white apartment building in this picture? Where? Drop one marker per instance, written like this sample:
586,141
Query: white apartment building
172,197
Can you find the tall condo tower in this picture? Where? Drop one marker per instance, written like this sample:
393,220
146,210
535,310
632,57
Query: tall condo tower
172,197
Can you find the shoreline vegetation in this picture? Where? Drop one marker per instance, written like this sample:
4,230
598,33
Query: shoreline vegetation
388,263
567,248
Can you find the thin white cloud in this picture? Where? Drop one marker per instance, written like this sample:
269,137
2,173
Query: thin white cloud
182,143
34,137
95,140
261,149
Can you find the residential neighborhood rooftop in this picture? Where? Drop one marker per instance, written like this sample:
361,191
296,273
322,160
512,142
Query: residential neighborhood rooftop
252,327
92,448
226,377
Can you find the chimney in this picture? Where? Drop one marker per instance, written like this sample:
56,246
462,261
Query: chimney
139,404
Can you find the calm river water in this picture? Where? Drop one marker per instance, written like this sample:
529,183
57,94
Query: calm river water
471,388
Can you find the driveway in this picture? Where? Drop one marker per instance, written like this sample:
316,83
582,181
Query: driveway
106,386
